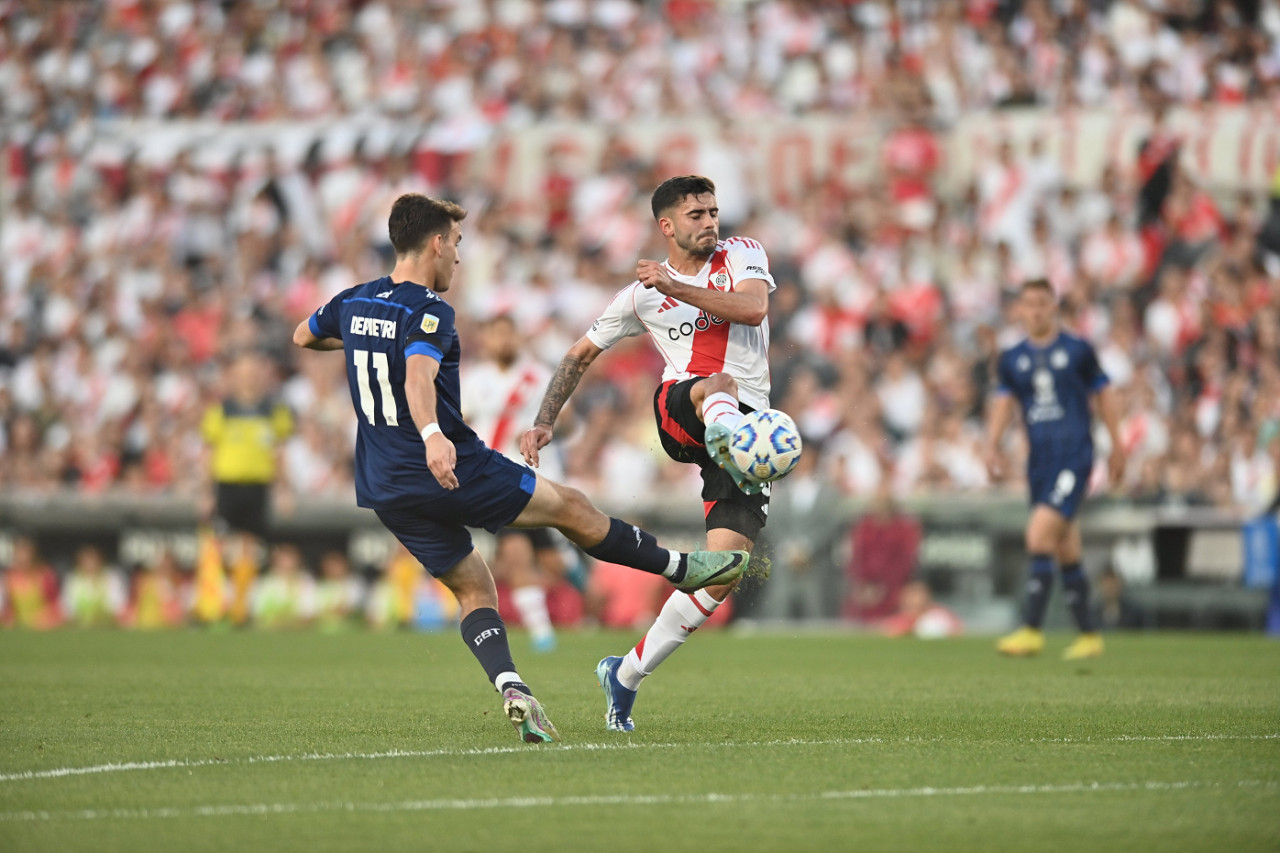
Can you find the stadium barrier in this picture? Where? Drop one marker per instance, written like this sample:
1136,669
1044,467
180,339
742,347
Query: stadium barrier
1186,566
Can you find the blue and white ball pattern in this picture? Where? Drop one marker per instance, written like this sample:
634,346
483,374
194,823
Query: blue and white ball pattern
765,445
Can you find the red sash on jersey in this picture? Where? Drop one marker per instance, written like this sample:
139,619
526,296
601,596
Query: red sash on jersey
711,343
510,409
1009,188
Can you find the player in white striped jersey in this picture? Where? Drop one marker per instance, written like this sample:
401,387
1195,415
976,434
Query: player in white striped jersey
706,309
501,395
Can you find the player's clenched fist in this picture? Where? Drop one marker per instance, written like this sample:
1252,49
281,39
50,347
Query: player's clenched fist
534,439
654,274
441,458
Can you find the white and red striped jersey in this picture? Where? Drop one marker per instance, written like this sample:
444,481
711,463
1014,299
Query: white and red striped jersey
692,342
500,404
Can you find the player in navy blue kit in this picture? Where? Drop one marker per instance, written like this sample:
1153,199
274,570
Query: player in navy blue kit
426,474
1053,376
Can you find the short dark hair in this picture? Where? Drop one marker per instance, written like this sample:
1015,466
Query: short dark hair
1038,284
415,219
670,192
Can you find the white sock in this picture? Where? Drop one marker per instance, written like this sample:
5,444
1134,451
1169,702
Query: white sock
721,408
681,615
507,678
531,604
673,566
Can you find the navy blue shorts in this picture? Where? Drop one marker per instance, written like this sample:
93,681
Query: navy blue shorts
1060,486
492,491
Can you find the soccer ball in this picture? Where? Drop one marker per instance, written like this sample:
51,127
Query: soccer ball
765,445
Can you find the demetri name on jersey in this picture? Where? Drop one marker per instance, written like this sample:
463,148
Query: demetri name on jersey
373,326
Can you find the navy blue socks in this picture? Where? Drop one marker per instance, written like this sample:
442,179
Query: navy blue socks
1039,586
485,634
628,545
1076,585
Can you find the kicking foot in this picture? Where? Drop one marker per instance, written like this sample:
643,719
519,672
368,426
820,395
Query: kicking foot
1022,643
717,440
1085,646
711,568
617,699
526,714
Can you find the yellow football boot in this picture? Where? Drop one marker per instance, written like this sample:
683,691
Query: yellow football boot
1085,646
1022,643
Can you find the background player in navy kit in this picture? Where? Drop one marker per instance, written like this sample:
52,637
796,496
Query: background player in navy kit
1053,375
426,474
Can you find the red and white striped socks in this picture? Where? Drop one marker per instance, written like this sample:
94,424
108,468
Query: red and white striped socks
682,614
721,408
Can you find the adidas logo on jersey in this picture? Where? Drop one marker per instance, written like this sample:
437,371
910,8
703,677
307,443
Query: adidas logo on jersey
384,294
668,303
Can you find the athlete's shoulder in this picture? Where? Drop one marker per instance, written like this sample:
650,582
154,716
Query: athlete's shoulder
740,243
746,257
626,296
371,289
1011,352
416,296
1076,341
428,305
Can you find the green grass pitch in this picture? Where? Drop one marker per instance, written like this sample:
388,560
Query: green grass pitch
252,741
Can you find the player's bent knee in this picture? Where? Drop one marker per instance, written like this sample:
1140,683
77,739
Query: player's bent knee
722,383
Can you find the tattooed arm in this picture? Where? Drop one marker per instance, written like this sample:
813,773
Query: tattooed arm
559,389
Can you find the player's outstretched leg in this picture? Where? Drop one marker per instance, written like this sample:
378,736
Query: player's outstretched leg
616,541
486,636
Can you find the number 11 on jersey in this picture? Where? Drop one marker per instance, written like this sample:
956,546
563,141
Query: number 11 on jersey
382,370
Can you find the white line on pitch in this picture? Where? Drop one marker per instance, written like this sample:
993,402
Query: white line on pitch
256,809
61,772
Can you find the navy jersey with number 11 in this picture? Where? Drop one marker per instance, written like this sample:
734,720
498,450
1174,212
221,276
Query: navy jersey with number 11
381,324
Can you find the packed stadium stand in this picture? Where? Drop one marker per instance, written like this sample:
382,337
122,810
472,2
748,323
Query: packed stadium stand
183,181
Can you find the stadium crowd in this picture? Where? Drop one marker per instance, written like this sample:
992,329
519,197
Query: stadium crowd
129,281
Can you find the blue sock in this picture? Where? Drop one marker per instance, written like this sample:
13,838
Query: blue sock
628,545
1039,586
1075,583
485,634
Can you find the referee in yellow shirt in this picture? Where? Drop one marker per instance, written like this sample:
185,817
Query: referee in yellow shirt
245,432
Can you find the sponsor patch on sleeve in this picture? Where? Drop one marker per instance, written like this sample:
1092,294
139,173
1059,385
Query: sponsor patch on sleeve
430,323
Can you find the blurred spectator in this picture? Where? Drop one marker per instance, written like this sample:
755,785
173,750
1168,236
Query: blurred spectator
920,616
406,596
339,594
886,546
285,597
160,597
245,431
1114,608
30,589
391,603
93,594
806,520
